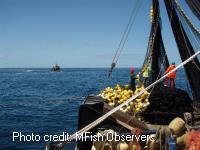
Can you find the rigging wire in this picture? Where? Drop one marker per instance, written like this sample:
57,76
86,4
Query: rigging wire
126,30
129,30
125,35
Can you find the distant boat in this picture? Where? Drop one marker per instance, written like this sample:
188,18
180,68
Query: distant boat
56,68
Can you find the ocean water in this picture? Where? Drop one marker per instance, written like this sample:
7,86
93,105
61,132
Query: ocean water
46,103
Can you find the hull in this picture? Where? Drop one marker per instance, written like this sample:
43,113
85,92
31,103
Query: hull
155,117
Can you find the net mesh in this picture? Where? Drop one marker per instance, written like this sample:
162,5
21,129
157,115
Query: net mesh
156,57
186,48
194,6
191,30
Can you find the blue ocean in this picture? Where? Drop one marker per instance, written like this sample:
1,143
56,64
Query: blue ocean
42,102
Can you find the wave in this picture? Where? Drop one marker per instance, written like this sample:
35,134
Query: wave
29,70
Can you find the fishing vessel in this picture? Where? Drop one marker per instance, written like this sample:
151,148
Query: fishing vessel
56,68
170,116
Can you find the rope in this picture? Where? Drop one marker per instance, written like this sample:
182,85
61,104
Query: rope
181,11
187,46
186,21
194,5
102,118
193,31
181,27
125,35
134,17
125,31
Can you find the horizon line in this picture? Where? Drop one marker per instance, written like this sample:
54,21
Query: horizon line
61,67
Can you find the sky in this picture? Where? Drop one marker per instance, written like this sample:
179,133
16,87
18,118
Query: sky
77,33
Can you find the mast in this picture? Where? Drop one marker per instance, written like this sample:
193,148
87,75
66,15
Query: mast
185,48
